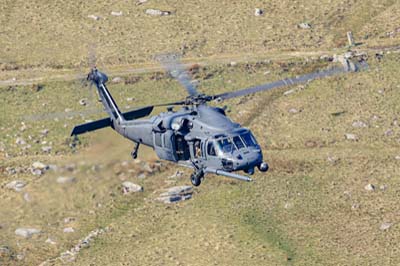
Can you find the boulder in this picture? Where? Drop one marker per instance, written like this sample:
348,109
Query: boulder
20,141
176,194
94,17
83,102
68,230
129,187
46,149
359,124
65,179
16,185
369,187
350,136
258,12
116,13
26,232
156,12
116,80
40,166
385,226
304,25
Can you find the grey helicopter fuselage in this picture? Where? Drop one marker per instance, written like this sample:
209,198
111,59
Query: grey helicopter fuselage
196,135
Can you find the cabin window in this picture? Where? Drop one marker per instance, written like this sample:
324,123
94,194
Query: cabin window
157,139
167,142
211,149
238,142
226,145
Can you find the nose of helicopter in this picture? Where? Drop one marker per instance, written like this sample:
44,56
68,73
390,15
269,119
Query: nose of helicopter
248,159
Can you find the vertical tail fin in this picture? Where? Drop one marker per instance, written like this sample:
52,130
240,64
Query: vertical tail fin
100,79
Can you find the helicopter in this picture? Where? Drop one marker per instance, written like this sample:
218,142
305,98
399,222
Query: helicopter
197,136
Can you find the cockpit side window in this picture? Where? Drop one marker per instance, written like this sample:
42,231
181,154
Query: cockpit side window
226,145
238,142
211,149
248,139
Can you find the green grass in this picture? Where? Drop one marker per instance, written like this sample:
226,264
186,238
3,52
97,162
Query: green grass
59,34
299,213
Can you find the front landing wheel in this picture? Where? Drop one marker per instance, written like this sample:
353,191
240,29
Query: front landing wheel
195,179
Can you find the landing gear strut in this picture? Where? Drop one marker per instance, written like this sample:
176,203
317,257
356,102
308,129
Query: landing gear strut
135,150
196,177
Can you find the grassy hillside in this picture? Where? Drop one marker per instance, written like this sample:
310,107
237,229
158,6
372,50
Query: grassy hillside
58,34
311,208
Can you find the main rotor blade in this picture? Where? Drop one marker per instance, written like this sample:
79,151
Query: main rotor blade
167,104
350,67
171,62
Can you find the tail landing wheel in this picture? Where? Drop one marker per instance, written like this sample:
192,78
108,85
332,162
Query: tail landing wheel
135,151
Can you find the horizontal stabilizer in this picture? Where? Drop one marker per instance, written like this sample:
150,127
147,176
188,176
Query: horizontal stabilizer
106,122
83,128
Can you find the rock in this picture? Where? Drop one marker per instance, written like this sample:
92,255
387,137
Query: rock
333,159
20,141
46,149
27,232
68,230
116,13
389,133
286,93
355,206
142,176
288,205
94,17
11,171
350,136
16,185
130,99
44,132
129,187
232,64
40,166
176,194
117,80
156,12
177,174
37,172
359,124
258,12
50,241
69,255
369,187
23,127
293,111
27,197
83,102
383,187
65,179
139,2
67,220
385,226
397,157
304,25
5,251
146,167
